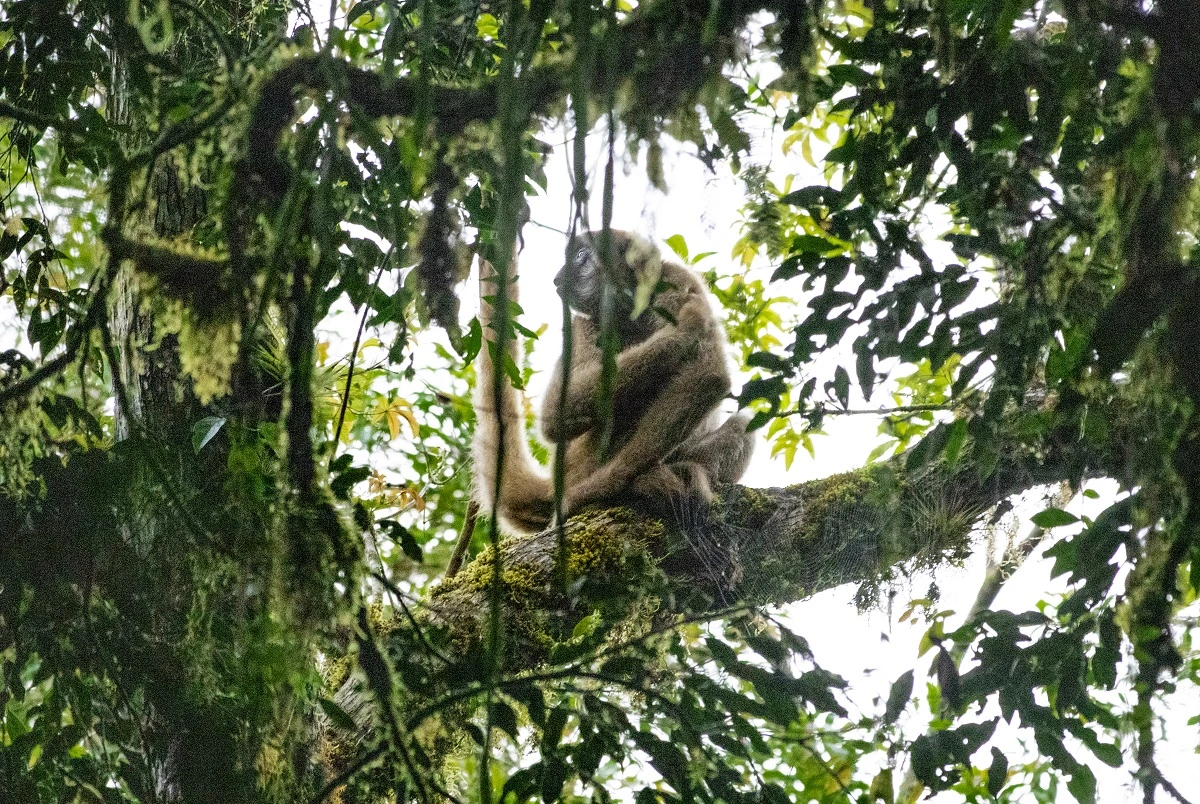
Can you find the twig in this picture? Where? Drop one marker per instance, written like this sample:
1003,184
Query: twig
1170,789
464,539
362,323
399,595
830,411
32,118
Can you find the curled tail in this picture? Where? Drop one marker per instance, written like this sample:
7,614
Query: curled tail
526,493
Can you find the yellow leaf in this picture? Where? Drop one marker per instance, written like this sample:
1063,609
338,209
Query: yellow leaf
806,151
394,412
407,415
410,498
322,352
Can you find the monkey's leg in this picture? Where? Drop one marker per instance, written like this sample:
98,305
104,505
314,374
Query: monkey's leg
684,481
686,401
724,453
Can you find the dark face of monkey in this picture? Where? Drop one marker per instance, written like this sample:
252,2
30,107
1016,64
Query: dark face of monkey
583,278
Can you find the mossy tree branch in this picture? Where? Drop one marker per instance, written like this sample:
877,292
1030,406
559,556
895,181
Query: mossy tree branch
754,547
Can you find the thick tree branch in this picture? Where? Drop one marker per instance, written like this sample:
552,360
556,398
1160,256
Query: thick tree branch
755,547
656,50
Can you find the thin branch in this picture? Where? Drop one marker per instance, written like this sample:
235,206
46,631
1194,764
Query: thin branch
382,689
412,621
184,131
1170,789
43,372
830,411
39,120
816,755
464,539
362,323
95,313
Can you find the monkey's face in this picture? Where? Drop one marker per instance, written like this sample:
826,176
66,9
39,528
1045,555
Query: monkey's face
636,263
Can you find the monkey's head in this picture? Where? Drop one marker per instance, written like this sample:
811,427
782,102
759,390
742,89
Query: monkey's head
633,276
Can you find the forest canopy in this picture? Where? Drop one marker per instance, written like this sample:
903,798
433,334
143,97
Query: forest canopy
224,536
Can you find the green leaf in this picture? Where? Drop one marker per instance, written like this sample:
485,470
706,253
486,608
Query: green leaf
882,788
678,245
956,436
811,244
1053,518
766,360
361,8
586,626
403,536
841,387
666,758
503,716
554,776
1082,785
345,480
472,341
487,27
553,732
475,732
924,761
865,368
204,430
948,679
898,697
337,715
997,773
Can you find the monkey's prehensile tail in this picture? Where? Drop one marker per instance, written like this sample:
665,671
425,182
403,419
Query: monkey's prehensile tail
526,494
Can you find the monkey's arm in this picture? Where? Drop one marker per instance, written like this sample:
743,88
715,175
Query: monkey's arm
641,370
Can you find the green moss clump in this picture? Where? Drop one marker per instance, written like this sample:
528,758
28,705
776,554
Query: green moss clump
747,508
821,498
608,556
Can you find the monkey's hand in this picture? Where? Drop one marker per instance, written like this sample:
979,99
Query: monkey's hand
694,316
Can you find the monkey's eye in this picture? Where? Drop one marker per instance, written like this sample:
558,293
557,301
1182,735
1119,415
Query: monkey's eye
583,259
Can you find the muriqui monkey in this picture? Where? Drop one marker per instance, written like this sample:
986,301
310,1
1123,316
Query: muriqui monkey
665,445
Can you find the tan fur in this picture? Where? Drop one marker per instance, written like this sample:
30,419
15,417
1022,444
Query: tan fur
665,445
